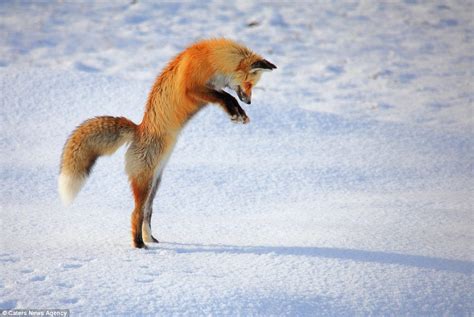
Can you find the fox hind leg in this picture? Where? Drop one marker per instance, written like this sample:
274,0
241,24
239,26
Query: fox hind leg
145,161
146,227
141,188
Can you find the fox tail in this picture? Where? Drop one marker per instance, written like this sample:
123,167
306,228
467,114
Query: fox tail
93,138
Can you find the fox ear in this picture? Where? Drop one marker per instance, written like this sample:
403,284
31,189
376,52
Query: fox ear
262,65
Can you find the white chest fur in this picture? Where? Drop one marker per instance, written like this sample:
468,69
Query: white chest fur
219,82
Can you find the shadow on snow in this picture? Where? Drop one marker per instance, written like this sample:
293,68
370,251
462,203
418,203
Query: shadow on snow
425,262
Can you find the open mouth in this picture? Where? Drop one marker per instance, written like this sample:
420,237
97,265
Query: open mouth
243,96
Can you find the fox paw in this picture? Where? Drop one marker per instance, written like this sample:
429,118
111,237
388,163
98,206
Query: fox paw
150,239
239,118
139,244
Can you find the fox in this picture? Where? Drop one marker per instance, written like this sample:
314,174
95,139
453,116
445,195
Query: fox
193,79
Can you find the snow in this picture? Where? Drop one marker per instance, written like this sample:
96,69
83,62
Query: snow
349,193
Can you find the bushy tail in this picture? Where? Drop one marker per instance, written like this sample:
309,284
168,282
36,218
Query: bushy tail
93,138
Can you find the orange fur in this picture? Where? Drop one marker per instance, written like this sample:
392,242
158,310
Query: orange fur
191,80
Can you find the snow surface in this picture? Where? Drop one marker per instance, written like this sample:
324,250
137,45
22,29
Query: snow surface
349,193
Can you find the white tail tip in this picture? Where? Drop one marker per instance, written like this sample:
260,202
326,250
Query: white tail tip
69,186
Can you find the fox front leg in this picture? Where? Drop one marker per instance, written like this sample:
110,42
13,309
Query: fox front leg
232,107
226,101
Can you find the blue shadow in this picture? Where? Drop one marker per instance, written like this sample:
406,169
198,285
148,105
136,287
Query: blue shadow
424,262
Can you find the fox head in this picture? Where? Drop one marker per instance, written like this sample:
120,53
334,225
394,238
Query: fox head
237,67
247,76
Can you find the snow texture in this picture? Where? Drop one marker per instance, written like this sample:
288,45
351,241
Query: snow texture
349,193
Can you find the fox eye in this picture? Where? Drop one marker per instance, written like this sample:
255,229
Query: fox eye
247,85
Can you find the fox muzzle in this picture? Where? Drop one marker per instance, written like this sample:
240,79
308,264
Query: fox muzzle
243,96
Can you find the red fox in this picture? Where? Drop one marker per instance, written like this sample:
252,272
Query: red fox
194,78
